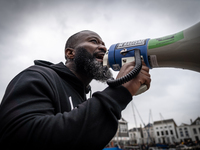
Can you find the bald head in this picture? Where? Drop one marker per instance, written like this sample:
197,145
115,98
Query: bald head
75,39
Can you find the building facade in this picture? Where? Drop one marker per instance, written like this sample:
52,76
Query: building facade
122,136
142,135
195,130
135,136
160,132
148,134
184,132
189,132
165,132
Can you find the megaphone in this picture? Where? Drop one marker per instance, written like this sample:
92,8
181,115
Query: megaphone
179,50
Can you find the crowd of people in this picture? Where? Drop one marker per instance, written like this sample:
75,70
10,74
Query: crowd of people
187,144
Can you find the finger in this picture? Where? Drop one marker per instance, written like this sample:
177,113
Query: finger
143,63
124,71
144,78
132,63
145,68
127,65
148,82
145,73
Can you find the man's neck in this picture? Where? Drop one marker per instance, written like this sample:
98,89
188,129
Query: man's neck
82,77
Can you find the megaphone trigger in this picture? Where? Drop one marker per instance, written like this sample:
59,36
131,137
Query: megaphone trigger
129,59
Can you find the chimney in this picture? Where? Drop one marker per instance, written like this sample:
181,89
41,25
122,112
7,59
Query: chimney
191,121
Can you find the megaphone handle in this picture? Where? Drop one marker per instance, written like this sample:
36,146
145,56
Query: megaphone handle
130,75
142,89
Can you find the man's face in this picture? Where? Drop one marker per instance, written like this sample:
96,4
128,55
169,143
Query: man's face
89,54
93,43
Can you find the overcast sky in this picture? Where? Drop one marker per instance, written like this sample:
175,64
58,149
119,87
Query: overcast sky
38,29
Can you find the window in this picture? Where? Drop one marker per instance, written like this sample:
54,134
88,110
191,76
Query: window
123,127
199,130
181,133
171,131
166,132
162,132
158,134
186,133
195,131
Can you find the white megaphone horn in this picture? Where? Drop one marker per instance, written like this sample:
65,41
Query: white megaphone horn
179,50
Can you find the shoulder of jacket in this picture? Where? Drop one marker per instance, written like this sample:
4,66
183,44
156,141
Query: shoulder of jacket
46,72
41,69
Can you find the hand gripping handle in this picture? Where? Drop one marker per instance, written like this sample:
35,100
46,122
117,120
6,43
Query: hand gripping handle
138,66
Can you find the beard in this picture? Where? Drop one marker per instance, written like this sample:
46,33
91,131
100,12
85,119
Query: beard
86,64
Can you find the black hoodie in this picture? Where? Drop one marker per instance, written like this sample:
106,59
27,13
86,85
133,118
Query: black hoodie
45,107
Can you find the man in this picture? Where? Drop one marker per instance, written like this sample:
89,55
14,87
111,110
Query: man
45,106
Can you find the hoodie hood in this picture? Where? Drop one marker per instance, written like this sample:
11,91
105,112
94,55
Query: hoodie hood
59,68
65,73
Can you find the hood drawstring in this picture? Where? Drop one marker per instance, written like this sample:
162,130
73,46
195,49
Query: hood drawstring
88,89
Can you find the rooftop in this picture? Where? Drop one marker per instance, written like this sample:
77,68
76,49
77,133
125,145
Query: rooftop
164,122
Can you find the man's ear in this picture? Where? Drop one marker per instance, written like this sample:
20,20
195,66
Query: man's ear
69,53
